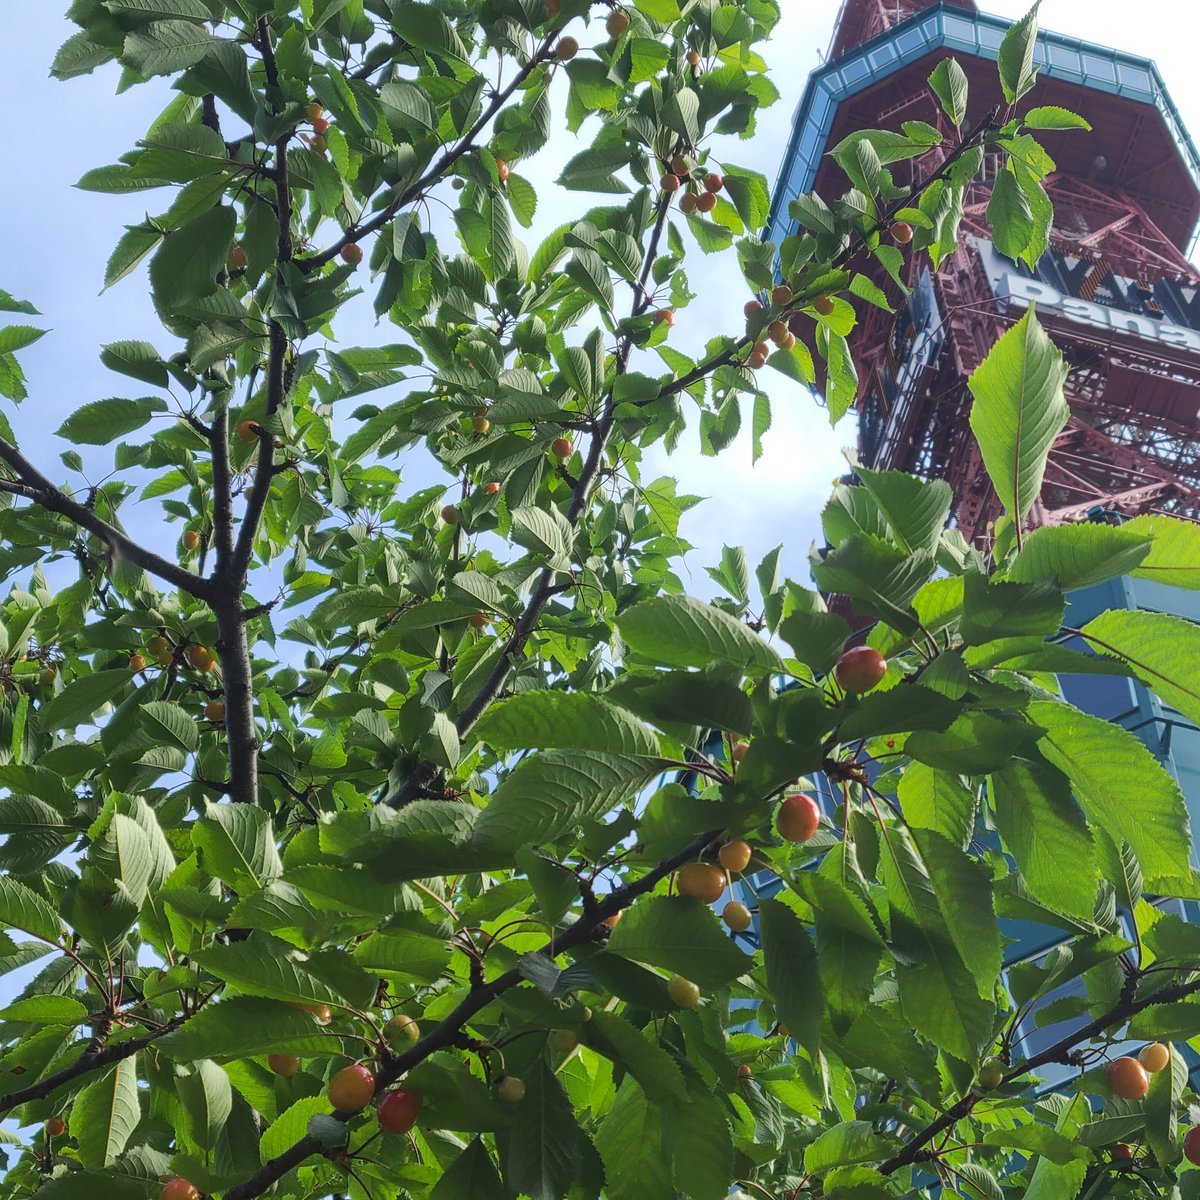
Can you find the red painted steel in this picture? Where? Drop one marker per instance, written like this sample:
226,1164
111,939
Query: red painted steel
1125,205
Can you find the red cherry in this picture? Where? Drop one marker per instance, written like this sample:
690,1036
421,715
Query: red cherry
1127,1078
502,170
701,881
798,818
1191,1145
491,489
352,253
398,1110
1124,1150
56,1127
706,201
179,1189
860,669
561,448
751,307
351,1089
714,182
902,233
664,316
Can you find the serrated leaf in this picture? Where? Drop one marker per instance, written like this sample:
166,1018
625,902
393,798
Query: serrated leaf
684,632
1120,786
564,720
1162,651
1019,410
236,843
682,936
105,1114
793,976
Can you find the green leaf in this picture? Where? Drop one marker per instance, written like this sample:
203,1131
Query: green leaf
1010,216
186,265
264,966
898,710
46,1010
938,994
1174,556
949,83
681,631
240,1026
105,1114
843,1144
1160,649
1015,62
79,55
104,421
236,843
880,578
564,720
1037,1139
424,26
549,793
793,975
682,936
655,1070
999,610
17,337
589,271
135,244
23,909
1045,832
915,509
1018,411
207,1098
816,638
1052,117
1162,1108
82,697
543,1150
630,1143
937,800
1078,556
696,1135
471,1176
139,360
164,47
180,152
1120,786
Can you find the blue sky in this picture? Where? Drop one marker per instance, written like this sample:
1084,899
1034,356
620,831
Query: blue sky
60,239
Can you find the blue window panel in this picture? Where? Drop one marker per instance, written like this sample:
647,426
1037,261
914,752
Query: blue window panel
1099,69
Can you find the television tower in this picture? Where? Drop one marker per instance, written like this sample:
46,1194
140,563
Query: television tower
1115,290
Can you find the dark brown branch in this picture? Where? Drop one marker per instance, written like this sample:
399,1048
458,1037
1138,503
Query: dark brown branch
42,492
85,1063
233,566
356,233
447,1031
423,775
1116,1016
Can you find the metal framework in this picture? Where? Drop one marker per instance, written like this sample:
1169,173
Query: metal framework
1132,444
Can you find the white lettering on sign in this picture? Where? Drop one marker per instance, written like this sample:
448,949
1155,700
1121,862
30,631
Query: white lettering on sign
1034,291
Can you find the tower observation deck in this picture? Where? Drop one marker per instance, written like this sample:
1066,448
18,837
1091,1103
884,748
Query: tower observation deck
1115,290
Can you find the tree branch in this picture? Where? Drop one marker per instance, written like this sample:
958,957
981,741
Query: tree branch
356,233
1116,1016
42,492
423,775
445,1033
85,1063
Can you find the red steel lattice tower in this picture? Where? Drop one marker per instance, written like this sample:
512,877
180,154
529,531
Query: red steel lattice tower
1115,290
